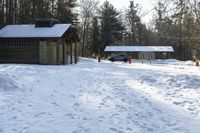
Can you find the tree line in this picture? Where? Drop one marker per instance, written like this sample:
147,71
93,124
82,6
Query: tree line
26,11
176,23
104,25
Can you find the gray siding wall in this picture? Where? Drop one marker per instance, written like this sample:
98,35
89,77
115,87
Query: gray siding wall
48,53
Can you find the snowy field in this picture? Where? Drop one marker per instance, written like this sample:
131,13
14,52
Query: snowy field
105,97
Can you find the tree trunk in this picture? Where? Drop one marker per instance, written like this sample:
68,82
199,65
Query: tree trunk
83,43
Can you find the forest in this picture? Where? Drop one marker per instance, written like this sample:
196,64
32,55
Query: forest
175,23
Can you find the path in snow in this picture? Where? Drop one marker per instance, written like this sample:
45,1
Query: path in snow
96,97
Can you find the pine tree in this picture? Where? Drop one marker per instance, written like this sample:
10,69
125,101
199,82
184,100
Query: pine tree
64,11
2,13
133,21
182,10
161,21
112,27
95,37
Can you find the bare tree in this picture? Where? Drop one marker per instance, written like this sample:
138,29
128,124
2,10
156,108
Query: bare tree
87,10
2,6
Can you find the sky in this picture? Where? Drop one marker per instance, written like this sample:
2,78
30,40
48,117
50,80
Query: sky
146,6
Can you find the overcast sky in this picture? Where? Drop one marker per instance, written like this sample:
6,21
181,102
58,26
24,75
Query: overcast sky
146,5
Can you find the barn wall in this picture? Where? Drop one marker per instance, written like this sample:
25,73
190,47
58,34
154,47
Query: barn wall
60,52
56,52
146,55
48,53
163,55
42,52
35,51
19,51
64,52
68,52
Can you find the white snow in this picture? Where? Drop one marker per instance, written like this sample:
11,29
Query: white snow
105,97
30,31
139,49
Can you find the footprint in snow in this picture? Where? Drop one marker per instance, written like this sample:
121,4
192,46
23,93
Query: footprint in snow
190,109
113,129
14,117
71,116
76,106
123,100
55,91
171,124
37,115
150,130
55,104
108,98
30,105
182,103
114,115
102,104
120,108
129,129
102,117
24,130
72,96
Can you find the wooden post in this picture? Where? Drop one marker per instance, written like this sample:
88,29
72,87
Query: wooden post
150,57
197,63
99,58
129,59
57,53
75,53
142,57
71,54
67,52
64,53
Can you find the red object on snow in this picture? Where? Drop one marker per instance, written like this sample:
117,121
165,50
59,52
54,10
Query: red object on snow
129,60
99,58
197,63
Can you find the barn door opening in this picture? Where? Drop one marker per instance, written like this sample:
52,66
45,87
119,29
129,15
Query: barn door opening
48,52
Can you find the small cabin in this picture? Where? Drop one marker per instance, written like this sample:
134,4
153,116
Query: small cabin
44,42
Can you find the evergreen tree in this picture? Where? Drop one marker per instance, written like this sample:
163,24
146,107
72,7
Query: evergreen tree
95,37
161,21
180,17
2,13
133,21
112,28
64,11
137,32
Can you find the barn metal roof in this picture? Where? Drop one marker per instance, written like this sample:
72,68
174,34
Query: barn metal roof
139,49
30,31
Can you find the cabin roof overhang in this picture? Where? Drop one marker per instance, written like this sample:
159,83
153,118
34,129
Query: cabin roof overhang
57,31
30,31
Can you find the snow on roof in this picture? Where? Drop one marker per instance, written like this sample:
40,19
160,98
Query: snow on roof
30,31
139,49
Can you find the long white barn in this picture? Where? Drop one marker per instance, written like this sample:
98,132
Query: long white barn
143,52
139,49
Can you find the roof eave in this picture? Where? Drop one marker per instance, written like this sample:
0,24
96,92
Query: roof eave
30,37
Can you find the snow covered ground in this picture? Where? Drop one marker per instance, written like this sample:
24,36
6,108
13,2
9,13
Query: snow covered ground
105,97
